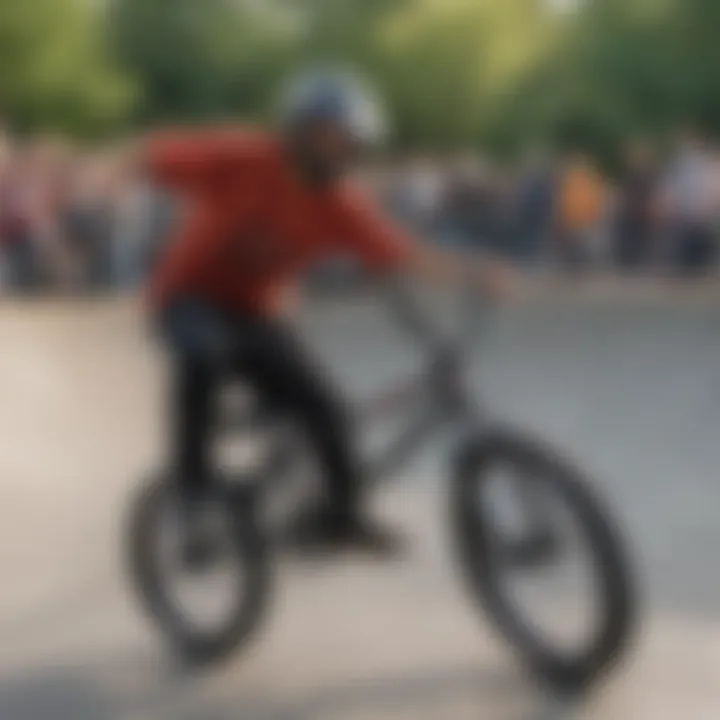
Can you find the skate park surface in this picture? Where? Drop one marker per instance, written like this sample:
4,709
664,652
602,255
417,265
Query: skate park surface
629,386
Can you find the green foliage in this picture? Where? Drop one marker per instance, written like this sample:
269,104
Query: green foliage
451,64
54,69
199,58
622,69
456,73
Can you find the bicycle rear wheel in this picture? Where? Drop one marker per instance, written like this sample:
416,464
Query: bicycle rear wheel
514,503
209,611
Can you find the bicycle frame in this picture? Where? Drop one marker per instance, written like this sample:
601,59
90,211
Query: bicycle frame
441,386
449,403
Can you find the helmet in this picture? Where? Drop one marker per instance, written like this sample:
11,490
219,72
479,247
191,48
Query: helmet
336,97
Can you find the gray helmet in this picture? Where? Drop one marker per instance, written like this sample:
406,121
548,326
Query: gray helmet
337,97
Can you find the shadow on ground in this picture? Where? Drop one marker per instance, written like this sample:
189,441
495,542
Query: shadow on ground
131,687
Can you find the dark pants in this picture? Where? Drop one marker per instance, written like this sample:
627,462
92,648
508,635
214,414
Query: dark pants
208,345
528,242
24,273
696,248
574,254
633,244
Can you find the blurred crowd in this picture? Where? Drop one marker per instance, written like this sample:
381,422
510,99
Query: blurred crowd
655,214
69,223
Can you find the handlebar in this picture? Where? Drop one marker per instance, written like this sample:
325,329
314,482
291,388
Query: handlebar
414,322
409,316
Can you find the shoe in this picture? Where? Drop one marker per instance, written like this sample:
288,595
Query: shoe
369,536
322,532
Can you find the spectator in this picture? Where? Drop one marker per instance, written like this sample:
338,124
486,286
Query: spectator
581,205
688,200
635,226
47,186
501,208
715,193
534,207
137,218
21,261
88,223
416,194
462,212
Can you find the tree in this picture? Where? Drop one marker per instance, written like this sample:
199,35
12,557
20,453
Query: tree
452,63
621,69
198,59
443,66
54,71
455,73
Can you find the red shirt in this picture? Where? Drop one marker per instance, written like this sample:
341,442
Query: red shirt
253,226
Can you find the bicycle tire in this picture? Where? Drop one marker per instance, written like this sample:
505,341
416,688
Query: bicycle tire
250,610
566,673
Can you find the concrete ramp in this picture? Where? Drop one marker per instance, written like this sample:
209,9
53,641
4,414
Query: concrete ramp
631,388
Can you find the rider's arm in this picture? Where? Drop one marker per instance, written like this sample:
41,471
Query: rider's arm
384,246
445,266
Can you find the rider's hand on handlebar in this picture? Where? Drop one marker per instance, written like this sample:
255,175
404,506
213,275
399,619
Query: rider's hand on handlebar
495,277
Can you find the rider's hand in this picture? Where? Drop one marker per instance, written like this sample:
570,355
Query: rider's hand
494,277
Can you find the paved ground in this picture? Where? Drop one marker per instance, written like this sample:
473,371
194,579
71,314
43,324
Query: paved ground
632,387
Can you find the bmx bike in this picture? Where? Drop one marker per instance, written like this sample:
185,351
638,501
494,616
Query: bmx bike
513,502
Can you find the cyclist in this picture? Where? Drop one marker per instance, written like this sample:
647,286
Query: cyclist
262,208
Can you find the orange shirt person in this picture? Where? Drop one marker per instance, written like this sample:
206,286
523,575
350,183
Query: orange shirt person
261,209
582,197
581,203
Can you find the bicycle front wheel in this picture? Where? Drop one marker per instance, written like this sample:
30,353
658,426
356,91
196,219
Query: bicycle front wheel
542,557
